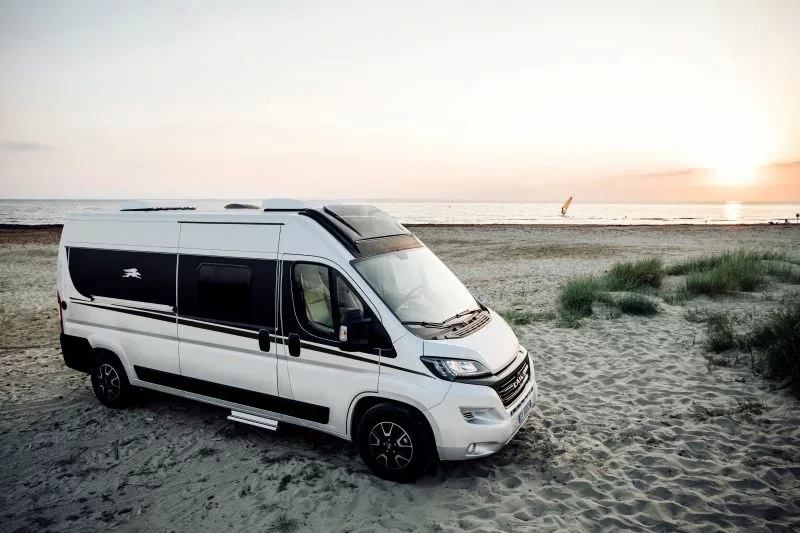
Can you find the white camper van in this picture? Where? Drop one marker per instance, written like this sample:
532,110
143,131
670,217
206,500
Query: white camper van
332,317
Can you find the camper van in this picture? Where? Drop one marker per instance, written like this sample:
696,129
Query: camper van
331,317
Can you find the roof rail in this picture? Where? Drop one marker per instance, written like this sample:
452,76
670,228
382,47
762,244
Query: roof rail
156,205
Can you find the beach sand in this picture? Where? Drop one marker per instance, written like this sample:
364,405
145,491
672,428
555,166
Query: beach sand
634,430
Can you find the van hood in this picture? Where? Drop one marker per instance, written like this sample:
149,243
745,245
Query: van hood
494,345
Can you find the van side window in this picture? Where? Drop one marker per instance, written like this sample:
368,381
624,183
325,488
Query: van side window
224,290
312,285
236,290
316,307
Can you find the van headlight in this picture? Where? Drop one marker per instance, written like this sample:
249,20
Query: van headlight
452,369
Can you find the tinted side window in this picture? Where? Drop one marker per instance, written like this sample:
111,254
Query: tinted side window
137,276
226,289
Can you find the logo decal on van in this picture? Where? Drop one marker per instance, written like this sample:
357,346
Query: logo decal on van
131,273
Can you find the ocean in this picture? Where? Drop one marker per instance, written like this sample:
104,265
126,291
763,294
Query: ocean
32,212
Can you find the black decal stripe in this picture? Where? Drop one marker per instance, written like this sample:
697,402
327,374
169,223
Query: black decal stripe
168,317
146,313
217,328
259,400
406,370
346,355
165,313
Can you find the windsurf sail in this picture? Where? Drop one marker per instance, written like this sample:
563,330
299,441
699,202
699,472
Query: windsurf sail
566,206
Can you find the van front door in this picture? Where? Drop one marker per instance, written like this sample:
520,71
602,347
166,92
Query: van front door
320,379
227,313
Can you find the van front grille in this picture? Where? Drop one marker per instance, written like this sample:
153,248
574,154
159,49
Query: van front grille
511,387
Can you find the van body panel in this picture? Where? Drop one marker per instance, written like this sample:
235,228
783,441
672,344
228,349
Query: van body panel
136,340
494,345
227,278
239,238
407,377
117,282
120,233
320,362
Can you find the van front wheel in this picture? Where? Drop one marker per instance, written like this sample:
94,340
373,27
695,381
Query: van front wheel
110,382
395,444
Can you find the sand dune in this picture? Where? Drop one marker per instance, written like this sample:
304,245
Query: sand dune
633,430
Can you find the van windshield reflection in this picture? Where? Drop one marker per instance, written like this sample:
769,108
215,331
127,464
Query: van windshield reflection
418,287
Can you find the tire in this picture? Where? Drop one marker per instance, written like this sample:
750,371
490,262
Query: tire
110,382
395,443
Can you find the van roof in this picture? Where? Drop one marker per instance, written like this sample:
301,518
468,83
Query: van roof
362,229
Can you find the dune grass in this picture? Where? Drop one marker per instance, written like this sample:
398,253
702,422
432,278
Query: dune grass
731,272
775,340
634,276
636,304
718,274
517,317
721,334
578,295
710,262
645,275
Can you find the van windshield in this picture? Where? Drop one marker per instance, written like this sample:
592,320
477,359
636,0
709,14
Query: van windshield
417,286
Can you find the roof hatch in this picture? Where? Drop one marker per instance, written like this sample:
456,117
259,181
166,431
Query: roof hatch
363,229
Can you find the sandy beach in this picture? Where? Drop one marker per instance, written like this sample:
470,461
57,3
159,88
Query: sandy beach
634,429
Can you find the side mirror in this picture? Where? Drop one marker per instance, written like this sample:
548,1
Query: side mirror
354,332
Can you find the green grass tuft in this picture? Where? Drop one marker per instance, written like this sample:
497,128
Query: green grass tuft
644,275
517,317
634,276
578,294
710,262
776,341
730,272
721,336
636,304
783,272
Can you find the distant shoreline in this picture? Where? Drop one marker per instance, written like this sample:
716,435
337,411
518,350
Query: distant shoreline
503,225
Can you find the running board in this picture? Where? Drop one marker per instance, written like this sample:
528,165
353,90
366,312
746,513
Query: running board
253,420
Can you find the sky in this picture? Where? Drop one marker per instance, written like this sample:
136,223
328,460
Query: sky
639,100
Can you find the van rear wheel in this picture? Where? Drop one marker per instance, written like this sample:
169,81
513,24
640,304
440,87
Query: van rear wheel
395,443
110,382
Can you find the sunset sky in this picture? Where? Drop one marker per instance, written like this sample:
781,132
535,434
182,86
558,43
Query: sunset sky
519,100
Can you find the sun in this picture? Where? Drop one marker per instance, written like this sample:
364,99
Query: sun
735,161
736,172
732,142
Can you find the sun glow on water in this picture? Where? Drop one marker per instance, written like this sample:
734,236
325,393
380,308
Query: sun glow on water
733,212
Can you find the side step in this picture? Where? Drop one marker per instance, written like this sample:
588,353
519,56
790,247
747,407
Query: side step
253,420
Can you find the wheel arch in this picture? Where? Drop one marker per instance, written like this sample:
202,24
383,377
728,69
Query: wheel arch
100,344
363,403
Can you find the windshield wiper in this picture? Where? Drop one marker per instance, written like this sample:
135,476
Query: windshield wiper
438,325
459,315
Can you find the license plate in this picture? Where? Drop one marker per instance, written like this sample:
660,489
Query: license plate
526,409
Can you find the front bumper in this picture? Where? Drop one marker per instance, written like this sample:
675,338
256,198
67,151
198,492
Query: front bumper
458,439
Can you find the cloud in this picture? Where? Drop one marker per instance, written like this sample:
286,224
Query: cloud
24,146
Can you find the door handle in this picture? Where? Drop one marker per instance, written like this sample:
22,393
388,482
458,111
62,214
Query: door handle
293,342
263,339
